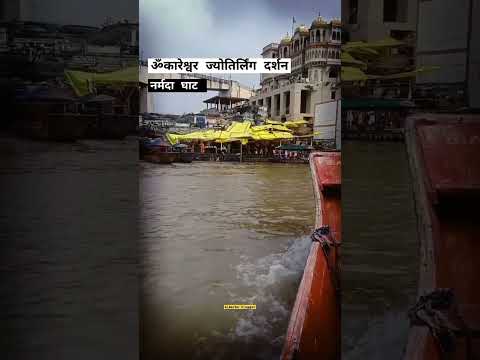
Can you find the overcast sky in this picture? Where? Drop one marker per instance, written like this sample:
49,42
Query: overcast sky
80,12
219,28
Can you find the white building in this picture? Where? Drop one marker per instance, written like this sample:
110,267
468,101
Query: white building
448,37
371,20
315,76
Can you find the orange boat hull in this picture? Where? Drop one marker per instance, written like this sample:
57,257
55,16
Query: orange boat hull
444,152
314,328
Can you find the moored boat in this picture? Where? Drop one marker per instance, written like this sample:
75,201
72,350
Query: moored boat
157,151
159,157
184,157
183,153
444,159
314,327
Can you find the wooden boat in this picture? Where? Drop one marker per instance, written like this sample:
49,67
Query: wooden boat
159,157
314,328
36,122
183,153
444,154
156,151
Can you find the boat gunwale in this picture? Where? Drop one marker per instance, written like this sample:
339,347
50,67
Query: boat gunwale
298,314
424,209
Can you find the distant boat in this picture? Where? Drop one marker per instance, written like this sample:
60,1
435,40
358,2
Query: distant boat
157,151
314,328
444,158
183,153
47,113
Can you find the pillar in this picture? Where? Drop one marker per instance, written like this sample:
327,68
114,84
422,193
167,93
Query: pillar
273,106
282,104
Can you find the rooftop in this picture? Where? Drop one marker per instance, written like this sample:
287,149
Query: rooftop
224,100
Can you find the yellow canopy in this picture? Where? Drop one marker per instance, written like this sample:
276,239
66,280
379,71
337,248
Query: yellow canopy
353,74
237,131
271,127
273,122
81,81
348,59
271,135
295,123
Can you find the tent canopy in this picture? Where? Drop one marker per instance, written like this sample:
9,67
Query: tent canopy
295,123
82,81
353,74
237,131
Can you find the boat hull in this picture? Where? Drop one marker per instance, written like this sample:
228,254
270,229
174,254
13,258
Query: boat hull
314,327
443,152
184,157
160,157
55,127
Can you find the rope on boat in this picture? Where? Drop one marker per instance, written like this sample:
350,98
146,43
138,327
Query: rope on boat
438,310
323,236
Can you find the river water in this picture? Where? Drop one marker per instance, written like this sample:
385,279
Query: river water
379,251
221,233
210,234
68,251
216,233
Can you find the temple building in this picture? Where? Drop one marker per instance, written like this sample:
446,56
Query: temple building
315,77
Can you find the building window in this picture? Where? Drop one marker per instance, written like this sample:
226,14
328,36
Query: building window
304,101
287,102
318,35
333,73
395,11
353,12
277,105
